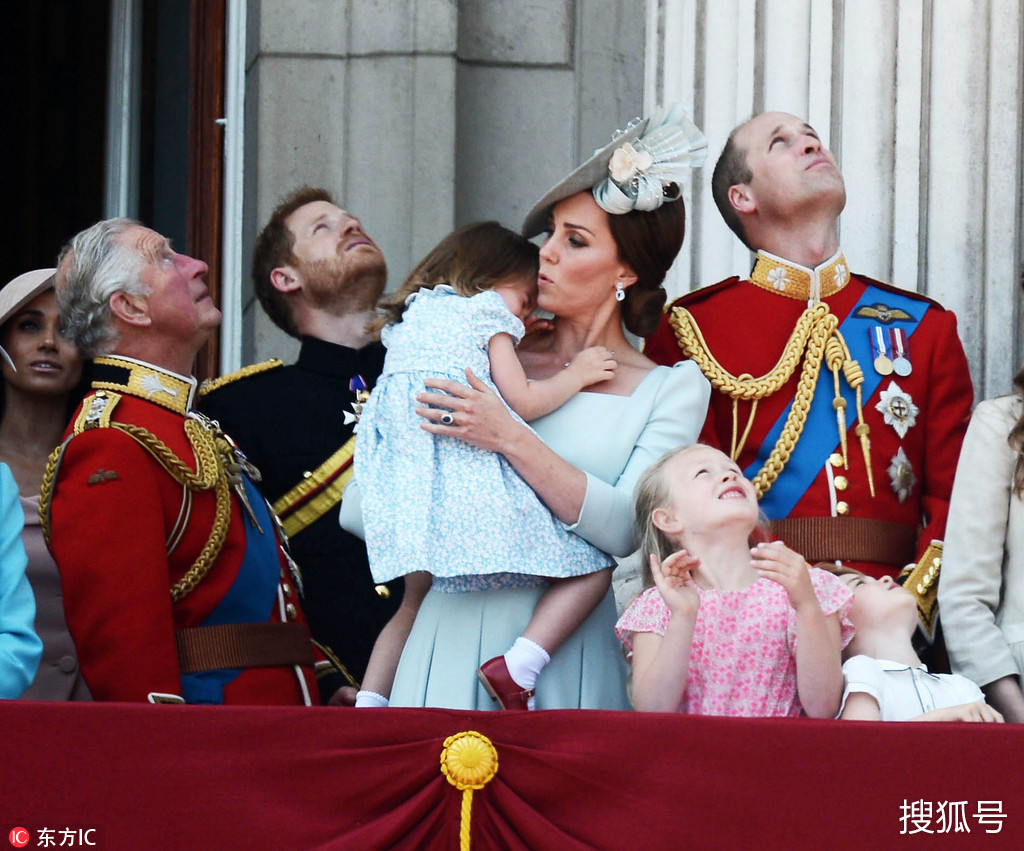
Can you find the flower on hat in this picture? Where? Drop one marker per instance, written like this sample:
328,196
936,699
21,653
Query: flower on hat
627,162
643,172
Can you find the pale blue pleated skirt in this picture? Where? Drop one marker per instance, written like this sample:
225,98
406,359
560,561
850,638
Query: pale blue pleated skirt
455,632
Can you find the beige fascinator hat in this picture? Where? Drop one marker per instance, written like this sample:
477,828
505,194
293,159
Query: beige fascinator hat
19,292
634,170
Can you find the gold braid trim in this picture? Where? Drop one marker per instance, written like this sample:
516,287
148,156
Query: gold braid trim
46,491
810,336
221,519
209,475
212,384
203,445
691,341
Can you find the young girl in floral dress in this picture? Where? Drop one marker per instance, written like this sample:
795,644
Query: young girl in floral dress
729,625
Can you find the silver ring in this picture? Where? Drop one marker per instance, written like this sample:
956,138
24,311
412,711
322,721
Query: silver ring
448,418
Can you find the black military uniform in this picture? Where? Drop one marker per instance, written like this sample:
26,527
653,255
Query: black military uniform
295,424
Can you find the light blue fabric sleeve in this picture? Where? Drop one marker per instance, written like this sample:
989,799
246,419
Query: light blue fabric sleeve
492,316
20,647
351,514
676,418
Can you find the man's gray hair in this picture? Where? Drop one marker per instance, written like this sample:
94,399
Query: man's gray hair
92,267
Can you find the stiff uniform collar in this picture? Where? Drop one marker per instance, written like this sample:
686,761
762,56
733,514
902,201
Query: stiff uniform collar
325,358
790,279
144,381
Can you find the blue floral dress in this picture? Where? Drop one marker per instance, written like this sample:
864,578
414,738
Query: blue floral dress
440,504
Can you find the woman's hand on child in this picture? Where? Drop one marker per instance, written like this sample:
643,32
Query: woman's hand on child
478,415
777,562
593,365
674,582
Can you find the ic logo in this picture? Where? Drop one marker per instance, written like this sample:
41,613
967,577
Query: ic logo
19,837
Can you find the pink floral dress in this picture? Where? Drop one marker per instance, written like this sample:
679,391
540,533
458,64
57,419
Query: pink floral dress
743,658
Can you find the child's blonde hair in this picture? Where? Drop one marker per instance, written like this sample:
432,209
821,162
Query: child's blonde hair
653,491
471,260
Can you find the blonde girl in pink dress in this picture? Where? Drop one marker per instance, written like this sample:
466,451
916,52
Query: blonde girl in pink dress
726,628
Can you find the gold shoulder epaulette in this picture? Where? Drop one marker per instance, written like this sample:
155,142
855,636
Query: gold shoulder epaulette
212,384
922,581
97,411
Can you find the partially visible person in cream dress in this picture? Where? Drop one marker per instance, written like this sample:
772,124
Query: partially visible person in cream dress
41,372
981,591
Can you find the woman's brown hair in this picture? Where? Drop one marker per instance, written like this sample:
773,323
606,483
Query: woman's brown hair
648,242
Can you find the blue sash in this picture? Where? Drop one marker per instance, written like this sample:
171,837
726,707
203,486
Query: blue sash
820,436
246,599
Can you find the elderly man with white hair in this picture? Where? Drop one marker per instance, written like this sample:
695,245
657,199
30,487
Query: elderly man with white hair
176,588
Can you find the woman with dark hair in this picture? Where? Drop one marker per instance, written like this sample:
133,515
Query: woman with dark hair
981,592
41,387
615,225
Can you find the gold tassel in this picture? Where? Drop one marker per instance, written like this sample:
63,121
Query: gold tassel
835,357
855,378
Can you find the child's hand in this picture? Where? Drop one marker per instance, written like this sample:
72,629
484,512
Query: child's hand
593,365
534,324
978,711
675,583
777,562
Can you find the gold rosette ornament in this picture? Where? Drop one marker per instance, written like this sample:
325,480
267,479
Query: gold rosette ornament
468,761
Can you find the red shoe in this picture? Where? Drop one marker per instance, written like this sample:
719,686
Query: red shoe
494,676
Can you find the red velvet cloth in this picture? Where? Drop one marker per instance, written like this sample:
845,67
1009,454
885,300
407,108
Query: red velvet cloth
233,777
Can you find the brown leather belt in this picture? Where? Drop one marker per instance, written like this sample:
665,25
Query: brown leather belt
848,539
243,645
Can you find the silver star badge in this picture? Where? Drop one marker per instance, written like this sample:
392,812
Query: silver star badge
901,475
897,408
357,407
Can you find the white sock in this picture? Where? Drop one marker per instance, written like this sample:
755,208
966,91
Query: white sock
525,660
365,698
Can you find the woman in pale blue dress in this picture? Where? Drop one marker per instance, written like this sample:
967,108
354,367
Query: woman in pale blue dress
616,224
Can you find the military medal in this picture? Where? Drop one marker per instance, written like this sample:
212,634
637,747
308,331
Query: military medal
897,409
357,385
901,475
883,366
901,363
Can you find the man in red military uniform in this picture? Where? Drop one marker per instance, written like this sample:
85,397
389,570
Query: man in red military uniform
176,588
844,399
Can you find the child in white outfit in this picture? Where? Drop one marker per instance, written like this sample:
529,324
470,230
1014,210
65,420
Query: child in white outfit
885,678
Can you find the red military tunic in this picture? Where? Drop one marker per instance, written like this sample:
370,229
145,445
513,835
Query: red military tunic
914,440
123,531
